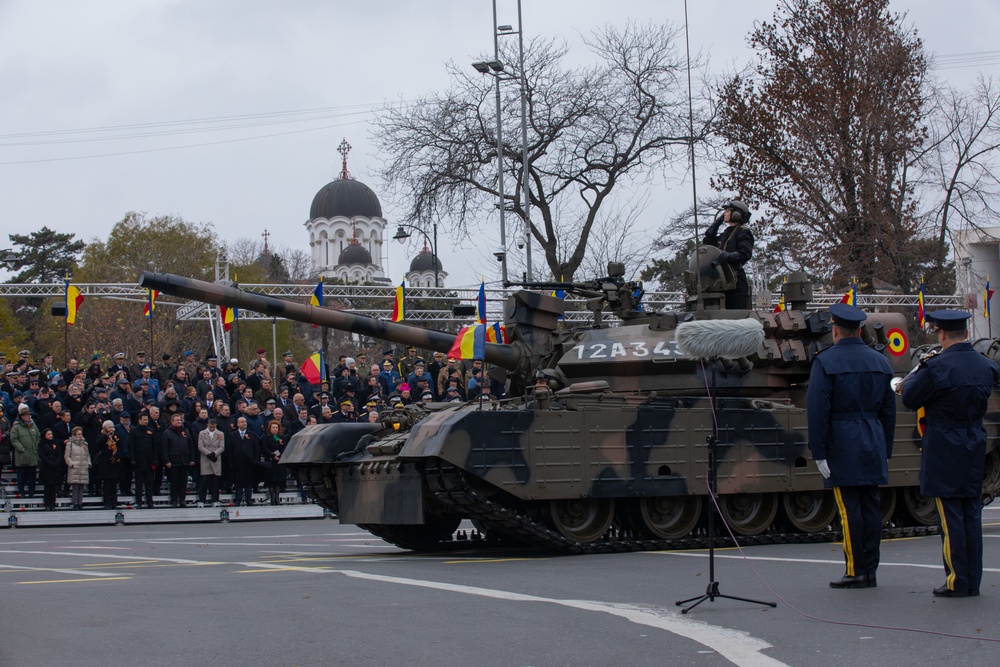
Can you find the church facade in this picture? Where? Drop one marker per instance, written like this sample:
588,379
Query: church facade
347,235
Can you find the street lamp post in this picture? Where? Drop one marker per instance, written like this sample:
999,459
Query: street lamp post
494,68
402,235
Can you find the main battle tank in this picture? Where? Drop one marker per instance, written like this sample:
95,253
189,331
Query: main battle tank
603,443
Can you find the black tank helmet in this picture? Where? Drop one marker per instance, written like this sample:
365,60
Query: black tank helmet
740,211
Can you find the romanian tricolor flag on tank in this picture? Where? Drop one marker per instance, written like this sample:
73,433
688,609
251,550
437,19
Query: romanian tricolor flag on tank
399,303
987,295
781,304
481,302
74,299
316,298
851,298
921,312
150,306
497,333
314,368
229,315
470,343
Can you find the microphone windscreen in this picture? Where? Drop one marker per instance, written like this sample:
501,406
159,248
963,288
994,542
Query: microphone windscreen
729,339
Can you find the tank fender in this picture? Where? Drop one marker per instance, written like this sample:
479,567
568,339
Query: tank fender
322,443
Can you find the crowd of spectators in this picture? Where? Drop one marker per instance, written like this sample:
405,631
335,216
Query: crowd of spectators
119,427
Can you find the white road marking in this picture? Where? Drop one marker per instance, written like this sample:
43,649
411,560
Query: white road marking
182,561
88,573
839,561
738,647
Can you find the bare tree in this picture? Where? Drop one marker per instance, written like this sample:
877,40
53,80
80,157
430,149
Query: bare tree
297,262
590,130
962,163
823,133
244,250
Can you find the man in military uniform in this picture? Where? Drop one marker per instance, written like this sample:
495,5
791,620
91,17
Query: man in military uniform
851,412
954,387
736,244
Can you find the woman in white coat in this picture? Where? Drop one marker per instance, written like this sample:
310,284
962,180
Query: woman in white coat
77,459
211,443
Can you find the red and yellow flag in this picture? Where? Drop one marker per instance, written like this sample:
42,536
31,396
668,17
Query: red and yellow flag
987,295
150,306
921,313
229,315
399,303
74,299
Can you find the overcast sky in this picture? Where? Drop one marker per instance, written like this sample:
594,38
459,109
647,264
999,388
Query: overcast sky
70,65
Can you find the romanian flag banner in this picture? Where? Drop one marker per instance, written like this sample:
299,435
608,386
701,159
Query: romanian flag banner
987,295
314,368
399,303
229,315
921,312
851,298
481,302
316,298
497,333
74,299
781,304
150,306
470,343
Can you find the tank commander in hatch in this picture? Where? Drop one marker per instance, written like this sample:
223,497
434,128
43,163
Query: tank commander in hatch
736,245
851,411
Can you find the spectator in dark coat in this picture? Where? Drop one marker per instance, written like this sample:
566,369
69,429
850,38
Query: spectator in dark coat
143,452
243,456
51,475
108,463
178,451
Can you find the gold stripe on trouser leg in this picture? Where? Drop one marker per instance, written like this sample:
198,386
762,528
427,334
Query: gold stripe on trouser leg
946,547
848,549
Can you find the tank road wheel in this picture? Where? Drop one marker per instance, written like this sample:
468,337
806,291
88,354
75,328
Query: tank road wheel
887,503
583,520
922,510
666,517
810,511
749,513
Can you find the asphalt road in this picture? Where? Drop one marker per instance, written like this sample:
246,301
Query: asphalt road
318,593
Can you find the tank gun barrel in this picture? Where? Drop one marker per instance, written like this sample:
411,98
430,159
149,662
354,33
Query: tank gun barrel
505,356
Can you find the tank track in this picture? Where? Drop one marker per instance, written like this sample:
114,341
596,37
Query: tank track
318,481
451,488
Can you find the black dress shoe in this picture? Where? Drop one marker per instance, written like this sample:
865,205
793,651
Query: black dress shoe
857,581
872,581
945,592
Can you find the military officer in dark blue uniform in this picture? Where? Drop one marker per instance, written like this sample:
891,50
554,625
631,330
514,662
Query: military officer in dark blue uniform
851,410
953,387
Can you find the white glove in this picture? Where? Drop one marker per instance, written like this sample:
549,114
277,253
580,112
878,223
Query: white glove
824,468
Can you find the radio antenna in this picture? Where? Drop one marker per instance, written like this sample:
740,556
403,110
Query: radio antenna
694,180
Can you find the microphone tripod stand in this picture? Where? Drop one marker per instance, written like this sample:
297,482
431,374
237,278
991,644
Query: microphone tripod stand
712,591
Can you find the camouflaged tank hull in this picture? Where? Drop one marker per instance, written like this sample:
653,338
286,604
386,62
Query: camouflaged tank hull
601,461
